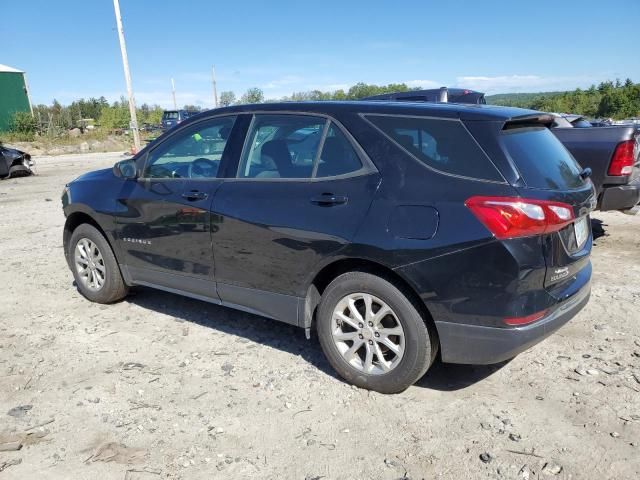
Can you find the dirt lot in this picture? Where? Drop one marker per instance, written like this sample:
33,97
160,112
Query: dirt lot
160,386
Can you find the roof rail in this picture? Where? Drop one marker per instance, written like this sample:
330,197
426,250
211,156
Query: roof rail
438,95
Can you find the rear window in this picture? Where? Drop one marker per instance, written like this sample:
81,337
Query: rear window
170,115
444,145
541,159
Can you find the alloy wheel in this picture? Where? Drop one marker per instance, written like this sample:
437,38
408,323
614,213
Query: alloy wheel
368,334
89,264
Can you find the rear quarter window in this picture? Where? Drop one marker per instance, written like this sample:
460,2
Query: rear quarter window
442,145
541,159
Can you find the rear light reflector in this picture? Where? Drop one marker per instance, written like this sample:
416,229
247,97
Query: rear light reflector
525,320
512,217
623,159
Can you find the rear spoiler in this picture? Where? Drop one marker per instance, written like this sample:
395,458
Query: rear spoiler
533,120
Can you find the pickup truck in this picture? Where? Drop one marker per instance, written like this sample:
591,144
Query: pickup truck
612,153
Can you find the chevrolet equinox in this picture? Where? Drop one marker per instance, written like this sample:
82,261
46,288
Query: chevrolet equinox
394,230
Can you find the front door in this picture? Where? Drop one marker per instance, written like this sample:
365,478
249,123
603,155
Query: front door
163,225
300,192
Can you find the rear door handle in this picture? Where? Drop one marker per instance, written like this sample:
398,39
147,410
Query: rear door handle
195,195
329,199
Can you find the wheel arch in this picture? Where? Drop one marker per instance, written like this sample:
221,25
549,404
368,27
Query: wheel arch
74,220
331,271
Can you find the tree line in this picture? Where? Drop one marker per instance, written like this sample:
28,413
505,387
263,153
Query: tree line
608,99
618,100
356,92
56,118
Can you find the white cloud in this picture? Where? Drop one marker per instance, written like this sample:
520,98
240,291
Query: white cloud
329,87
523,83
164,98
423,84
283,81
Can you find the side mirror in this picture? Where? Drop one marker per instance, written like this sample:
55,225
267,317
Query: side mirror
585,173
126,169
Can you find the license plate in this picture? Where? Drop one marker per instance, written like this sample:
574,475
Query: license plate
581,229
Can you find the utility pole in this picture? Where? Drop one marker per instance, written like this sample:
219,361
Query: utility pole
215,90
173,92
127,77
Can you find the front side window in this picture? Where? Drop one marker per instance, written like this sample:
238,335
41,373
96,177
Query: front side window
296,146
443,145
193,153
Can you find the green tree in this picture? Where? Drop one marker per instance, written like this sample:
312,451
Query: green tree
227,98
253,95
115,117
24,125
609,99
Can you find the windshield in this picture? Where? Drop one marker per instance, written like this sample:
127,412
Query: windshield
170,116
543,162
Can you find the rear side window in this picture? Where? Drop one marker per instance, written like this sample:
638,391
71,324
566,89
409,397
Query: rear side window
281,146
338,156
541,159
296,147
443,145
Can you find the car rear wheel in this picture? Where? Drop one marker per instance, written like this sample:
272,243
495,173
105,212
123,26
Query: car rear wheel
372,333
94,266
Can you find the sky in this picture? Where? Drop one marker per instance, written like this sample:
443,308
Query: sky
70,49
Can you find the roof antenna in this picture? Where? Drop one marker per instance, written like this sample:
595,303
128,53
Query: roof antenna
444,95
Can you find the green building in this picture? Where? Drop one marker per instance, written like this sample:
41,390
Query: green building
14,95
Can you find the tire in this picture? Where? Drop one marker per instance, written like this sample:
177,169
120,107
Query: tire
112,287
419,346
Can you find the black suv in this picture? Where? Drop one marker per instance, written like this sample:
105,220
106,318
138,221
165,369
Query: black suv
171,118
394,229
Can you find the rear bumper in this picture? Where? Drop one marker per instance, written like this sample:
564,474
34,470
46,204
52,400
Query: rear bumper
622,197
478,345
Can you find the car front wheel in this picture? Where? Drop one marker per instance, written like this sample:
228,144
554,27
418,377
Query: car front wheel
372,333
94,266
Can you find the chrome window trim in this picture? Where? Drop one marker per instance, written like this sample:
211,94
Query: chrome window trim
368,167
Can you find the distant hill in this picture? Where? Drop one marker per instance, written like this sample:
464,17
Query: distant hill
522,100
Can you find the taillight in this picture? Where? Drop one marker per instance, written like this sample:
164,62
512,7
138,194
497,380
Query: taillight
510,217
623,159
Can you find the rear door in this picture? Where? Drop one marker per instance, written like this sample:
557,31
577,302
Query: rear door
549,172
298,195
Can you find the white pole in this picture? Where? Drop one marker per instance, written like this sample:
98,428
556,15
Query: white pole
173,92
127,77
26,86
215,91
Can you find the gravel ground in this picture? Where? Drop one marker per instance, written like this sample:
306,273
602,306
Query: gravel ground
160,386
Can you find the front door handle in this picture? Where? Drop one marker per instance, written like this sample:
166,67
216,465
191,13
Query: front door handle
195,195
329,199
